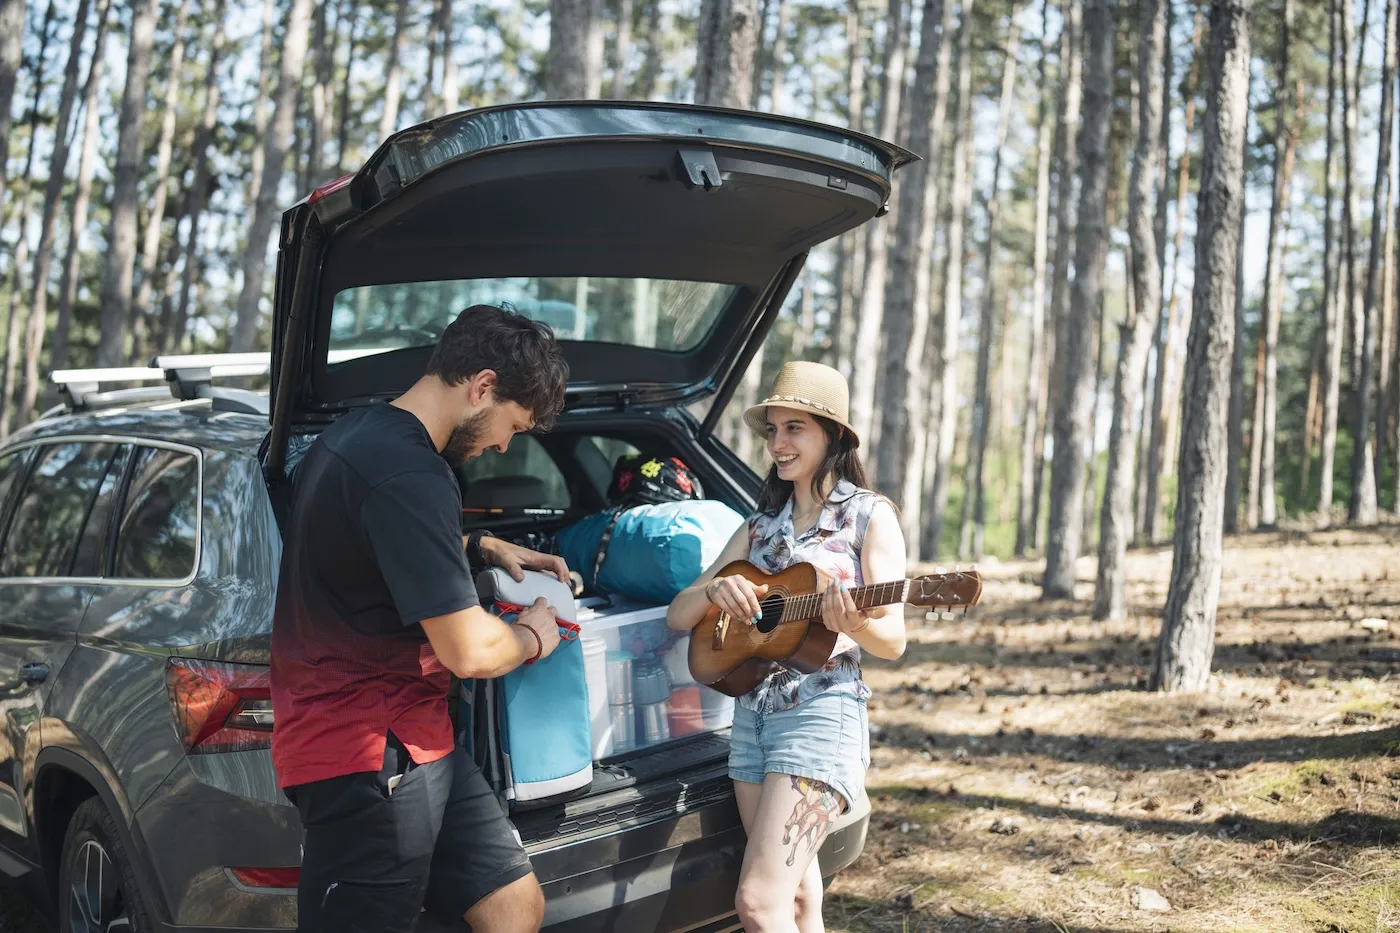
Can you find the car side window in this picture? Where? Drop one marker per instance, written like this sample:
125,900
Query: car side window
92,543
158,526
12,468
52,507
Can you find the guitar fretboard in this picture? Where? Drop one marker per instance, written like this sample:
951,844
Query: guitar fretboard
804,608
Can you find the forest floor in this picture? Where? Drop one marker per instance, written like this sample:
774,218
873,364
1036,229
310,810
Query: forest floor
1024,779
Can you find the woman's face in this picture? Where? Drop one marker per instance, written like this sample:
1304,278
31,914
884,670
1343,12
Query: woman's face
796,442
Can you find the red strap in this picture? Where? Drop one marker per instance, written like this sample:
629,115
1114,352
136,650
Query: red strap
569,631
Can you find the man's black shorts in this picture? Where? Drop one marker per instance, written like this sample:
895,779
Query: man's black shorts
372,858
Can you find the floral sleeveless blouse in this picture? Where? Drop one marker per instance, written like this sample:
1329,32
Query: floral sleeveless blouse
833,545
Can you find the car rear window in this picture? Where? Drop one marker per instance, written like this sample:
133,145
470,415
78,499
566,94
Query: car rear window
658,314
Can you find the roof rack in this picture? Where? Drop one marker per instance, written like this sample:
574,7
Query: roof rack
186,377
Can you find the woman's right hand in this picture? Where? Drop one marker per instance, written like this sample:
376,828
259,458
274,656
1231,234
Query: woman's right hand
737,596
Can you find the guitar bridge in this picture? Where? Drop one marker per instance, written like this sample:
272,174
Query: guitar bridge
721,629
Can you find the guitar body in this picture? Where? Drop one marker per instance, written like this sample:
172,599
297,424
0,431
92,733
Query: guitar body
733,656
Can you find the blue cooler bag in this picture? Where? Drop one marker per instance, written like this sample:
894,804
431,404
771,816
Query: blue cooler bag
546,737
649,552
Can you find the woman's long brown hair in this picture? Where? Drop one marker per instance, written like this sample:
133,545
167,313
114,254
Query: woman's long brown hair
842,460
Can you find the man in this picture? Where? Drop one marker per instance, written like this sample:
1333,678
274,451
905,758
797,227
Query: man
375,612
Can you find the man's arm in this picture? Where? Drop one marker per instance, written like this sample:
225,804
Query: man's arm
473,643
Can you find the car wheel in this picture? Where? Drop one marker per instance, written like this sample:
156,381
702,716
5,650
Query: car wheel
97,890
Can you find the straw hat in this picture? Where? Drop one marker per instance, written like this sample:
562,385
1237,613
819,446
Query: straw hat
810,387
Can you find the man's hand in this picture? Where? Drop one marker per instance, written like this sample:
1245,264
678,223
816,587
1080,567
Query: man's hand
540,619
516,559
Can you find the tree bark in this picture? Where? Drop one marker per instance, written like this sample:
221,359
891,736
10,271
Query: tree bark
1334,296
1187,640
1363,507
1166,401
852,244
573,68
393,80
777,61
622,49
1312,420
1031,426
260,114
1075,395
155,220
448,92
322,75
973,532
1067,160
265,209
1263,501
1351,116
126,182
82,192
1116,520
906,290
728,33
949,331
343,132
11,47
198,194
870,317
53,192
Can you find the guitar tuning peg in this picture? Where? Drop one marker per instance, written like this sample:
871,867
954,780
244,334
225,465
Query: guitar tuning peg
947,615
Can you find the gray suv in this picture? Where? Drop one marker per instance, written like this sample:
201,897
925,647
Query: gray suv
139,536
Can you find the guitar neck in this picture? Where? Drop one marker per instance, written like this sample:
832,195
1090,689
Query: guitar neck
809,607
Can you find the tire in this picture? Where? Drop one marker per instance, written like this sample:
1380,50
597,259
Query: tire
97,889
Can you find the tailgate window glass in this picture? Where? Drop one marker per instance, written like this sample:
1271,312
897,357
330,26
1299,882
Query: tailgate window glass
653,313
158,532
53,506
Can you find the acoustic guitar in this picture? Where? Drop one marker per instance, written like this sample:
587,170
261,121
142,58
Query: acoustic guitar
734,655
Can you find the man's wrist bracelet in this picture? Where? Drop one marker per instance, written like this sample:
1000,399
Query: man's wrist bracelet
539,645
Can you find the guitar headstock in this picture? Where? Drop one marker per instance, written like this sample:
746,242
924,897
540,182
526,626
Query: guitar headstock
957,589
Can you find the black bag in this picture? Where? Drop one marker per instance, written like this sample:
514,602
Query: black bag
643,480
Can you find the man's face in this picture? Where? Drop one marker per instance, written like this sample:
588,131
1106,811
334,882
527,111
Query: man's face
489,427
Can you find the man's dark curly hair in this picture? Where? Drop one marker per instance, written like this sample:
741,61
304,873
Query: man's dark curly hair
529,366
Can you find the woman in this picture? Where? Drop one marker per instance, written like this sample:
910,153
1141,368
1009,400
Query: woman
800,743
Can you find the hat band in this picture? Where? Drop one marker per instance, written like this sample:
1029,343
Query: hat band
801,400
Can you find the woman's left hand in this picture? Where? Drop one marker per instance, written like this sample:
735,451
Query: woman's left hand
839,612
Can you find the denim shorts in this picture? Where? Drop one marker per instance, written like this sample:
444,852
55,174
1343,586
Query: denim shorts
826,738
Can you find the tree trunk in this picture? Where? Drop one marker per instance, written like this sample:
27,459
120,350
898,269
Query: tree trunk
1067,160
198,195
265,209
53,192
1386,321
1032,425
1234,427
324,72
973,532
126,189
1351,79
728,33
1334,300
1187,640
870,316
265,71
1091,462
1312,420
622,49
1075,392
573,69
1165,401
11,46
393,72
82,192
1263,503
901,440
1116,521
852,244
945,369
651,65
1363,507
448,92
155,220
777,61
343,132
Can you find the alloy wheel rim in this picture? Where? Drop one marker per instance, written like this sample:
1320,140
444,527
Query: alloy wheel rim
95,895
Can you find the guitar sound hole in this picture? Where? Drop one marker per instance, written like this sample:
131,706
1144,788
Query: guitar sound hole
770,614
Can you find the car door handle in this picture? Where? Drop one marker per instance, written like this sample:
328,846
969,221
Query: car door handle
35,672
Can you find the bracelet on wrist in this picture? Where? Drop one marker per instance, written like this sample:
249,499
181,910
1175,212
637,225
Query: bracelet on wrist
539,645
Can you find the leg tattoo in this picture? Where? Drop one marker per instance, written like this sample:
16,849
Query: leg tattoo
811,817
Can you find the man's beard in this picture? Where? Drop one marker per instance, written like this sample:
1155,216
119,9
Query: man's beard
464,439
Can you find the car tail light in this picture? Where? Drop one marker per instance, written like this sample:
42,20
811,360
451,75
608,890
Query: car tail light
220,707
267,877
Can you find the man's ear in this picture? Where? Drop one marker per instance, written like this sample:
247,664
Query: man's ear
482,387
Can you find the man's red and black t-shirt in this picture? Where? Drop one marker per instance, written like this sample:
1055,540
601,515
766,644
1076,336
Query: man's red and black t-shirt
372,547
